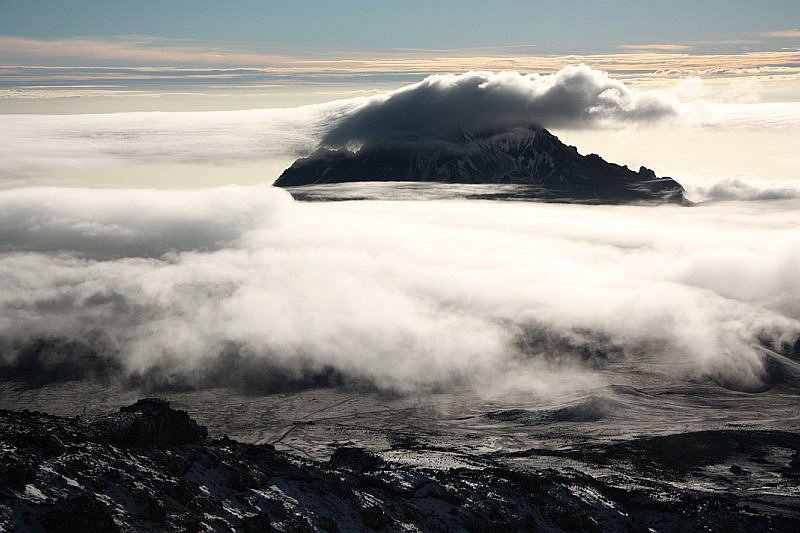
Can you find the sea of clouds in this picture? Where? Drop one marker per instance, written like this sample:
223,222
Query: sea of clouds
242,286
34,148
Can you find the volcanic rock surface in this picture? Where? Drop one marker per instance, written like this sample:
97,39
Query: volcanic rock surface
530,157
149,467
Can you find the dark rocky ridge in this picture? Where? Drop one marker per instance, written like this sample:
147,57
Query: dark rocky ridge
530,157
149,467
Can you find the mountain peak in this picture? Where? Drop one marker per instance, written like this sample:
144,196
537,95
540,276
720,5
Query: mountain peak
528,156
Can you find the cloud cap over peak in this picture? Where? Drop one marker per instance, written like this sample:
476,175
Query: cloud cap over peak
477,101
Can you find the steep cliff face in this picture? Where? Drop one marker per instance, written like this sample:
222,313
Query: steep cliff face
525,156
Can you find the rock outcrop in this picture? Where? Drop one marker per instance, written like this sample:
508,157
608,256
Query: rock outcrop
530,157
149,467
148,422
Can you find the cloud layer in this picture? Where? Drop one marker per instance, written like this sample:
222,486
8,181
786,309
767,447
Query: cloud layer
719,58
31,144
444,105
44,146
747,190
241,286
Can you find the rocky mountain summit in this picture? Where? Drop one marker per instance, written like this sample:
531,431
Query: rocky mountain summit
149,467
530,157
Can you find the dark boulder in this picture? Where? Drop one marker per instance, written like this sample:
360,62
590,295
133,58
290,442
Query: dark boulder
16,472
148,422
82,513
356,459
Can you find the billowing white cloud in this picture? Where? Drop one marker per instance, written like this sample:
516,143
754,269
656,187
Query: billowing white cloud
740,189
241,286
110,224
444,105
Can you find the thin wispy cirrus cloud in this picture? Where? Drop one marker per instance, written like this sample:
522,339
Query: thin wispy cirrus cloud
783,34
661,47
144,51
127,50
34,69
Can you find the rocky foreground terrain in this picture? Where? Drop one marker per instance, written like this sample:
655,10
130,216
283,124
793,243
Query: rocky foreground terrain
149,467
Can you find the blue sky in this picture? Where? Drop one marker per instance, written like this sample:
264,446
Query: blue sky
566,26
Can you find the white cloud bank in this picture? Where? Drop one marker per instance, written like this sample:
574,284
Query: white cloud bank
443,105
37,149
242,286
741,189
